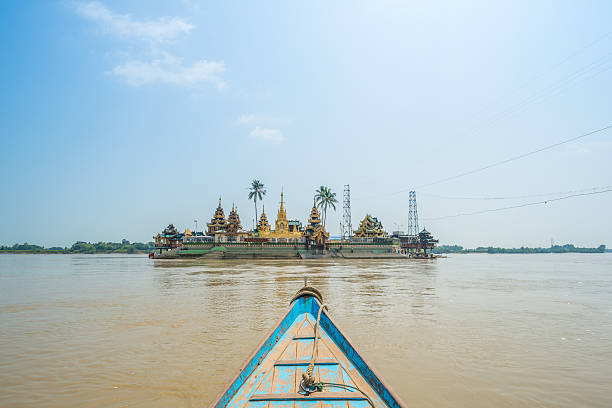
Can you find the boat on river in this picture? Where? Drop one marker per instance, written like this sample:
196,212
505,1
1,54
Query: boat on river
306,361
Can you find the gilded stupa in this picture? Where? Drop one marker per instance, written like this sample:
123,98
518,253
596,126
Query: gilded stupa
284,229
369,227
282,224
218,222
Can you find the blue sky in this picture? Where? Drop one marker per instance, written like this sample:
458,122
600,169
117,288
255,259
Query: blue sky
119,117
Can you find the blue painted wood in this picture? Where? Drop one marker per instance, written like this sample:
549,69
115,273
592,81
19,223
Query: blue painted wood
353,356
306,362
283,375
296,309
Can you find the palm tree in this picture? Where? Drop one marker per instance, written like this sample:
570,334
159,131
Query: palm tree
257,191
325,198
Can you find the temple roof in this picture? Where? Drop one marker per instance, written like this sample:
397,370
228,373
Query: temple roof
233,221
170,230
263,220
369,227
315,215
315,231
218,221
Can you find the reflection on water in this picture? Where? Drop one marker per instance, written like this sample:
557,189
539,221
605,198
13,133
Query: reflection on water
475,330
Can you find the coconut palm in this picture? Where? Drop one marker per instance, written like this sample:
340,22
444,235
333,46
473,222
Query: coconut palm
257,191
325,199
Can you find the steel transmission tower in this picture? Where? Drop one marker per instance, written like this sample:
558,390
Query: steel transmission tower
413,216
346,217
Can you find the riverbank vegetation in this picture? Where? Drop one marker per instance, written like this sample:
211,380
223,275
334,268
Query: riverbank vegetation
555,249
81,247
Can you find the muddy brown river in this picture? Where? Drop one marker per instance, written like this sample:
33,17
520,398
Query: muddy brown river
464,331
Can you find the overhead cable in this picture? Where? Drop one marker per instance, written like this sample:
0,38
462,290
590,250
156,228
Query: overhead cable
516,206
517,196
499,163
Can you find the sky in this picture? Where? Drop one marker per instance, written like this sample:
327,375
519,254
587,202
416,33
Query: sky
120,117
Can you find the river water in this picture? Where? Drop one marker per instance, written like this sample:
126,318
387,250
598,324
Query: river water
467,330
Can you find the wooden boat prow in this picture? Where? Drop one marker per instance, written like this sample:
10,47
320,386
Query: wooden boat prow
271,376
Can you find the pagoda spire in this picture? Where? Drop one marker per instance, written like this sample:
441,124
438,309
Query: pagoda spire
218,221
282,224
233,221
263,227
315,215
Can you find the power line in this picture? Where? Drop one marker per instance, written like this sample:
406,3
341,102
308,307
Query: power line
550,89
556,87
519,196
517,206
499,163
550,68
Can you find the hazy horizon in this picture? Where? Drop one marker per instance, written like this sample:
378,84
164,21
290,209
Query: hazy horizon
121,117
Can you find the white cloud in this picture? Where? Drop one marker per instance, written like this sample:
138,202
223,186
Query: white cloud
266,135
125,26
247,118
150,67
170,70
255,118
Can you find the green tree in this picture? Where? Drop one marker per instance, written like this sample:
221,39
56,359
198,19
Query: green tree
256,192
325,199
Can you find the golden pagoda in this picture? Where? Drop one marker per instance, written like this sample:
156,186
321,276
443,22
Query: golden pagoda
369,227
282,224
263,227
315,231
285,230
233,221
218,222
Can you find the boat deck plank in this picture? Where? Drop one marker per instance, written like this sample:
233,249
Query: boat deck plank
275,382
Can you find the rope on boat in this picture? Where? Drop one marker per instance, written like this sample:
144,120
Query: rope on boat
309,384
315,345
349,387
308,291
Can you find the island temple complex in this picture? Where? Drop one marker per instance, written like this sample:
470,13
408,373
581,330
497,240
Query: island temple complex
226,238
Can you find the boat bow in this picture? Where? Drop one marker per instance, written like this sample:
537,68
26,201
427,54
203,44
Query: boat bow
274,375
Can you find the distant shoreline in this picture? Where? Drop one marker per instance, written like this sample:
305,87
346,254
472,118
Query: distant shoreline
82,247
50,252
555,249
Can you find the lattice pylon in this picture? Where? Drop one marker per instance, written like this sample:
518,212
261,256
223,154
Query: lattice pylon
347,228
413,216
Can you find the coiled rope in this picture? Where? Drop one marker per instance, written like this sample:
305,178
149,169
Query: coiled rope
309,384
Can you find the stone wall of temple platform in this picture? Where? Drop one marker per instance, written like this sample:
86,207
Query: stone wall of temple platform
280,251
